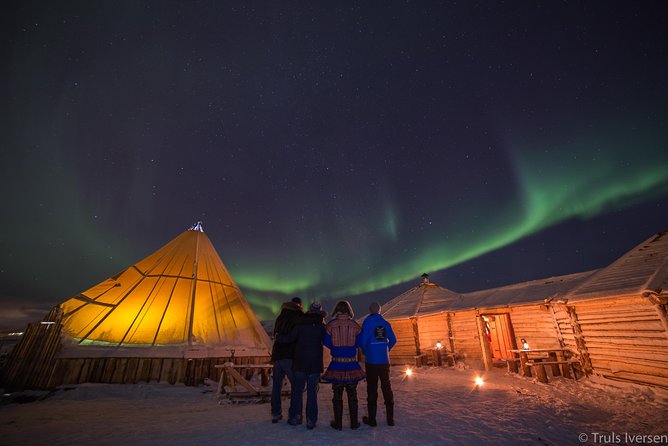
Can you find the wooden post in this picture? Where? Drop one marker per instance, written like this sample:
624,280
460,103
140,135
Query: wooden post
555,367
580,341
565,368
416,335
541,374
451,338
512,366
265,377
524,358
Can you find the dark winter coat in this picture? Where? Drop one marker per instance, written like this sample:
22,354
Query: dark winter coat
285,322
308,336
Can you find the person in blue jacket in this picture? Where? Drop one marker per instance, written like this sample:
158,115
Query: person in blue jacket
343,337
377,341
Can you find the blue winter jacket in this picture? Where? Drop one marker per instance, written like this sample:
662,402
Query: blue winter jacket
377,339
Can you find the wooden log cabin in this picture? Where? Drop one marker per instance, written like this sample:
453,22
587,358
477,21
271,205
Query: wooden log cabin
613,319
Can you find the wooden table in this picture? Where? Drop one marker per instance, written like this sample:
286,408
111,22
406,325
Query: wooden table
537,358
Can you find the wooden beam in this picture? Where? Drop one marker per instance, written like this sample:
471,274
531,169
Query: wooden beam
579,340
416,335
486,355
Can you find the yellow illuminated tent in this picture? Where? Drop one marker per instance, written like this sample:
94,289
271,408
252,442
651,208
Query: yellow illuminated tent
181,298
174,316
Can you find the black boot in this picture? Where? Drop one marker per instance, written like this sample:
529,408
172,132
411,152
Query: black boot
371,419
337,401
338,415
352,407
389,410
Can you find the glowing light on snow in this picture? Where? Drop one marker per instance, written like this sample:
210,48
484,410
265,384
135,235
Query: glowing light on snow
409,372
478,381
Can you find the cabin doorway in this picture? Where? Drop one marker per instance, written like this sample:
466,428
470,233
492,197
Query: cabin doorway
499,335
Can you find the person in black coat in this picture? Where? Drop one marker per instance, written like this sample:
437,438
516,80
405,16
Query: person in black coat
308,335
282,355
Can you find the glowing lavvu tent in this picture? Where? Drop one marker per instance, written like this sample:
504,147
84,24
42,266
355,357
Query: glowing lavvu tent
172,316
181,297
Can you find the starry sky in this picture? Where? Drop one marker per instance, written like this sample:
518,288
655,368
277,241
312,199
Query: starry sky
331,149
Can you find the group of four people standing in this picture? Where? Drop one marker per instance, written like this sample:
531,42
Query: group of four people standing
298,355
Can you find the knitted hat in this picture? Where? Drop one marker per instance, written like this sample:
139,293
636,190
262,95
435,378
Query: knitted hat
297,300
316,307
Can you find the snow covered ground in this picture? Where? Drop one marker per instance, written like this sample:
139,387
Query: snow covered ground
433,407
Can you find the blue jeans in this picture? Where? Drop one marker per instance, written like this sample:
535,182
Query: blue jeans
282,368
297,402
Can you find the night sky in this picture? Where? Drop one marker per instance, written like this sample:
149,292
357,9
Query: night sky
331,149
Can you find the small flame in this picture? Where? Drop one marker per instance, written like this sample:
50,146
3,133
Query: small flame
478,381
409,372
439,345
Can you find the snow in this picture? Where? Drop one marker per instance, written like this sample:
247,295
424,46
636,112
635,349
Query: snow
434,406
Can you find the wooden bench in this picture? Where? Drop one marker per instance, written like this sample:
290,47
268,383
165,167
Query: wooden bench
435,357
513,365
421,360
559,368
537,359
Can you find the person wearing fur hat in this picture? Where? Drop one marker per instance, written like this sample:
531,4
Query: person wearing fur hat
377,341
282,354
308,335
343,338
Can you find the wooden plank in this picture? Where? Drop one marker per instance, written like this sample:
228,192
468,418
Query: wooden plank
119,371
109,368
156,368
240,379
645,369
165,370
131,371
638,378
173,375
144,370
645,335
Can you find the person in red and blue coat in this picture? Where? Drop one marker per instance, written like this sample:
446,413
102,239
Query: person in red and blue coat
343,336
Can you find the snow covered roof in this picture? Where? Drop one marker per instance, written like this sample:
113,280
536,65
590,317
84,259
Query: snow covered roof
426,297
644,269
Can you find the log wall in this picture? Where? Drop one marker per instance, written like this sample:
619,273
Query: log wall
404,351
432,329
534,323
466,336
625,339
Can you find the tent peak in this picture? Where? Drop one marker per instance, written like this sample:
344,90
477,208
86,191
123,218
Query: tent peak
197,227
